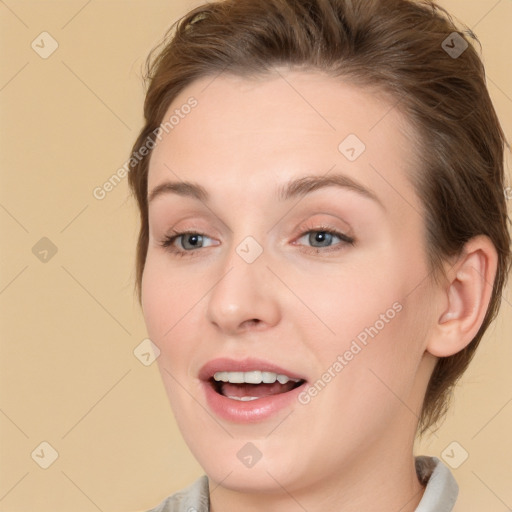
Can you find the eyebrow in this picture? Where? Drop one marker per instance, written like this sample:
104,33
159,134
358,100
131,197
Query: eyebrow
295,188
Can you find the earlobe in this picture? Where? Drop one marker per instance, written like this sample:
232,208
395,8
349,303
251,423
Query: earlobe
464,297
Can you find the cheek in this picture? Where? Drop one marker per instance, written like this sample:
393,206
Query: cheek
154,301
349,302
163,304
167,295
172,306
374,319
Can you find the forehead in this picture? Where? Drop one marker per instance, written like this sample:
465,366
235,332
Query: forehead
254,132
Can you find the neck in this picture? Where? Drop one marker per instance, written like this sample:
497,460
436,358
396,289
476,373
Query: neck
378,477
381,479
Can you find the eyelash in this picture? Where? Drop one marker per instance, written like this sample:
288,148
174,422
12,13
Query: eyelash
344,239
168,241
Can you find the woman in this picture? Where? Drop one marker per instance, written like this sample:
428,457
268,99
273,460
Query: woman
324,241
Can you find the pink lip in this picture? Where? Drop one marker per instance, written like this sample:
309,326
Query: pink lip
251,411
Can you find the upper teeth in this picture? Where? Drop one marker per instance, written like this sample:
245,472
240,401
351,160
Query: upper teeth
255,377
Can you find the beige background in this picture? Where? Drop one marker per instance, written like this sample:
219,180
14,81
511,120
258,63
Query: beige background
69,325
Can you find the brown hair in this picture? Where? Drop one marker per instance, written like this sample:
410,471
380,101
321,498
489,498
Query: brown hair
396,46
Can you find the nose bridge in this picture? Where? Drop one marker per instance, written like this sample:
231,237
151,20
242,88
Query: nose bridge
243,295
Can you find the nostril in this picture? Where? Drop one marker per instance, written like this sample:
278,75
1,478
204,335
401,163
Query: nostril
252,323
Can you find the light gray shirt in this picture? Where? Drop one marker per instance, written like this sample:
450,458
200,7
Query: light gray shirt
441,490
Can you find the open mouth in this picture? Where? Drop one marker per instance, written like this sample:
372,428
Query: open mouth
252,385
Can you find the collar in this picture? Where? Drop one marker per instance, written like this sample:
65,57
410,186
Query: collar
441,489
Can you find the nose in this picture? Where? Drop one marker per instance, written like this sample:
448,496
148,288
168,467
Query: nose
244,298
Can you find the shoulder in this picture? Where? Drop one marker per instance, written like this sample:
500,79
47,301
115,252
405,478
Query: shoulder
441,488
194,498
441,491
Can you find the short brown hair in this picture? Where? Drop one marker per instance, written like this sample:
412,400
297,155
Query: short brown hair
396,46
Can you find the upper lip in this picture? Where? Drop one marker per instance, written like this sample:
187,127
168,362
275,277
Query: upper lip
245,365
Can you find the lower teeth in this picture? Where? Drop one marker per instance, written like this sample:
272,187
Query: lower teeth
243,398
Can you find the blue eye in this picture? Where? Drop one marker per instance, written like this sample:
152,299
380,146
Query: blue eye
188,242
193,241
323,238
317,241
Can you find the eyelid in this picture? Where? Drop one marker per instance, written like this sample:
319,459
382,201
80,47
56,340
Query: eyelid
325,229
344,240
169,238
311,225
319,222
168,242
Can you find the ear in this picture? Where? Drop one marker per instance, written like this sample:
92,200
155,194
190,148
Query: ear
464,297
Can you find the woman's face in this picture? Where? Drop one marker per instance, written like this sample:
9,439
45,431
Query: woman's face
304,259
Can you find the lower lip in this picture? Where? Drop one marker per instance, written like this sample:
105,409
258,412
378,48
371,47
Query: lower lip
251,411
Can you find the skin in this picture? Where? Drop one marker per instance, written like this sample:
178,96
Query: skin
351,447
